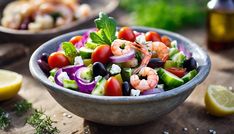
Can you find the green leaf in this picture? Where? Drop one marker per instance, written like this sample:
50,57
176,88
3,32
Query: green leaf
4,120
70,51
22,107
107,30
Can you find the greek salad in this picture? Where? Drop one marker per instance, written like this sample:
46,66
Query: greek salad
110,62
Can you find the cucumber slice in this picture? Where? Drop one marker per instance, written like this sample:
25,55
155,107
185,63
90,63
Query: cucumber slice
87,74
71,84
179,58
170,80
170,63
99,89
91,45
53,72
172,52
85,53
87,62
189,76
126,74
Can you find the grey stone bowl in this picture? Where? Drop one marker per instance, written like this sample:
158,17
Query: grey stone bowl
124,110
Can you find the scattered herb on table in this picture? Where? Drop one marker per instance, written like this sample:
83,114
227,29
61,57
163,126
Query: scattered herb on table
107,29
42,123
22,107
4,119
167,14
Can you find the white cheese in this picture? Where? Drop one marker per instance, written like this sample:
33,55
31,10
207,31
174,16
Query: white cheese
115,69
78,61
135,92
63,76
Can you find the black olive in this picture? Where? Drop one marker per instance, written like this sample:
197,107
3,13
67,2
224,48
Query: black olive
126,88
99,69
155,63
44,66
190,64
44,57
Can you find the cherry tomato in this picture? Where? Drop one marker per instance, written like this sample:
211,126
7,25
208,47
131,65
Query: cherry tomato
58,60
166,41
152,36
101,54
180,72
75,39
126,33
113,87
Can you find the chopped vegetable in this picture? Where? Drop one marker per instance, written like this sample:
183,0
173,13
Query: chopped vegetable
190,75
107,29
71,84
70,51
100,87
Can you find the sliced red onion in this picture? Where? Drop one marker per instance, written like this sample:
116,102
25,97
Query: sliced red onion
84,39
123,58
58,72
71,70
184,50
152,91
84,85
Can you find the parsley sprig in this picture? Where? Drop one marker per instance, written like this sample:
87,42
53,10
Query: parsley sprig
107,29
4,119
22,107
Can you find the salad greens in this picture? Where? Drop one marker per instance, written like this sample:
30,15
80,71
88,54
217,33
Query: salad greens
70,51
107,29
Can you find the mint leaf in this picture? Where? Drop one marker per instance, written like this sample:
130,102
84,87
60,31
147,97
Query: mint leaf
70,51
107,30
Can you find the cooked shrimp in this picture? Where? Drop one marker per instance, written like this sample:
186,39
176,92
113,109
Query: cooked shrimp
161,50
146,79
121,47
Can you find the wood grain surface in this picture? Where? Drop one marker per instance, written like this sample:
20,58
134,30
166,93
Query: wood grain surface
188,118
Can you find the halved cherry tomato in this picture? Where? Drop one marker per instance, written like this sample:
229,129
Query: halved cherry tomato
126,33
166,41
180,72
58,60
101,54
113,87
75,39
152,36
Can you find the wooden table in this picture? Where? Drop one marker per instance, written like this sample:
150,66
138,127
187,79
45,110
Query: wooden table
190,117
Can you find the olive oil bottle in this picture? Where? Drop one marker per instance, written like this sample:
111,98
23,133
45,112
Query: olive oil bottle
220,24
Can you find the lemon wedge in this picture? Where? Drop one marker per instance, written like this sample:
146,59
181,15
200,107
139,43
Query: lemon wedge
219,101
10,83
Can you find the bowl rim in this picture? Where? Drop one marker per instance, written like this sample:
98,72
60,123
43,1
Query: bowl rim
202,74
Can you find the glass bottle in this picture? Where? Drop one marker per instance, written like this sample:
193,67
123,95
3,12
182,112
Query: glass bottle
220,24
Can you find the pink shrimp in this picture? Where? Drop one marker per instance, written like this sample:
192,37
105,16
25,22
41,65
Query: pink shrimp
161,50
150,79
121,47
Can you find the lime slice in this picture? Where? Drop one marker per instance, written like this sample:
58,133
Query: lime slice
219,101
10,83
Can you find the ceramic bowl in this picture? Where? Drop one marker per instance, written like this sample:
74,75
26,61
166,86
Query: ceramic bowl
124,110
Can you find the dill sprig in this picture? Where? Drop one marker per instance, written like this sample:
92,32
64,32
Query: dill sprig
4,119
22,107
42,123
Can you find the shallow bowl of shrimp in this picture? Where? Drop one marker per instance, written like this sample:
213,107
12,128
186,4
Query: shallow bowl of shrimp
90,76
36,21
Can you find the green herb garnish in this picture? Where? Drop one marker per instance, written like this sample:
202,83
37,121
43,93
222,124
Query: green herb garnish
107,29
22,107
70,51
42,123
4,120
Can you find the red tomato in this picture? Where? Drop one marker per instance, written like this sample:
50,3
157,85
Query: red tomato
126,33
58,60
75,39
180,72
166,41
113,87
152,36
101,54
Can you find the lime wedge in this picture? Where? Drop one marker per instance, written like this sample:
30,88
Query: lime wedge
10,83
219,101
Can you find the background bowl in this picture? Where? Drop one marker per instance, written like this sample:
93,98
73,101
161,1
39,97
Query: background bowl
28,37
122,110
